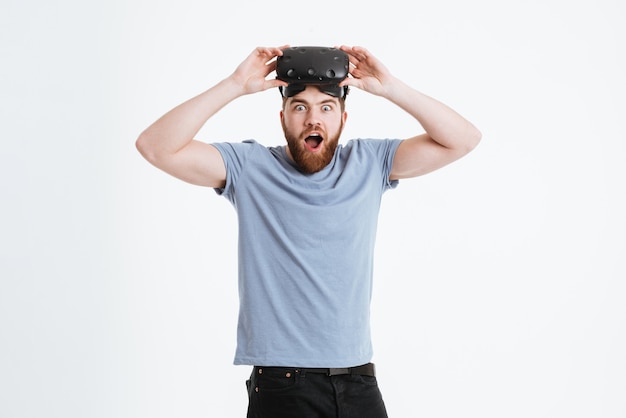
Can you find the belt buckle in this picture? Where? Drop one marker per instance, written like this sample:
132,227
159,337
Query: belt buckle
335,372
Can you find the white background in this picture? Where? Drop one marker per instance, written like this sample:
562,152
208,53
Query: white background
500,279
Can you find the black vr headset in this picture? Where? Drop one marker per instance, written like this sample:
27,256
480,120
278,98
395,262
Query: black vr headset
312,65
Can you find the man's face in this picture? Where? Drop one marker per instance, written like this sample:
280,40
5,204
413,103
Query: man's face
312,122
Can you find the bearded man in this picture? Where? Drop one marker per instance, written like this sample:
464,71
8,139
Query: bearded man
307,214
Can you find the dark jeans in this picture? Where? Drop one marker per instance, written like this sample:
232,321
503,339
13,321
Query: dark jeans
284,392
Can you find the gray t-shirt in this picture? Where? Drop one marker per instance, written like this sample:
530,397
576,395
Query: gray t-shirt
306,245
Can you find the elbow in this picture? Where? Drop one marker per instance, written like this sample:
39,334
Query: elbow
467,142
144,145
472,138
476,138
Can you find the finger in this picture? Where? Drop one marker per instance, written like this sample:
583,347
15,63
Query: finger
268,53
348,50
269,67
352,82
277,51
357,52
274,83
357,56
361,53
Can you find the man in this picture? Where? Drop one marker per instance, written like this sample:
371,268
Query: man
307,216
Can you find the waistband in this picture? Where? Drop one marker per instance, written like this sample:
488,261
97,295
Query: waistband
364,370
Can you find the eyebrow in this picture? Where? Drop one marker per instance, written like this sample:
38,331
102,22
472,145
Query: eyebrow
325,101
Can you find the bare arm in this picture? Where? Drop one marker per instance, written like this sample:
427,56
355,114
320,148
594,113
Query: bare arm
169,142
448,137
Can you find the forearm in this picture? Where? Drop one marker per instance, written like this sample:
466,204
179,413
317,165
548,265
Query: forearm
444,125
178,127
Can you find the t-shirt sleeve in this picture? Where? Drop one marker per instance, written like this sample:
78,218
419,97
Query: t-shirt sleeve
385,151
235,155
389,153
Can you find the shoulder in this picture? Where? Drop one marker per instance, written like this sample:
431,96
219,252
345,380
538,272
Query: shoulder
249,148
237,147
380,147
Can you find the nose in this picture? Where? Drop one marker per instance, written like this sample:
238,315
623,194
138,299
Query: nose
313,118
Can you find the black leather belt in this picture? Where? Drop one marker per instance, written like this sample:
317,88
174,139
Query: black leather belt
364,370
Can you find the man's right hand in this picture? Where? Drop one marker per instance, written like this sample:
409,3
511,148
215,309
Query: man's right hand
251,74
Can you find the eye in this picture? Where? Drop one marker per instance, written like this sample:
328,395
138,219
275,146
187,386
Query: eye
327,108
300,107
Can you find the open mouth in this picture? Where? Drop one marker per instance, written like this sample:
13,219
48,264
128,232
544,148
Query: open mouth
313,141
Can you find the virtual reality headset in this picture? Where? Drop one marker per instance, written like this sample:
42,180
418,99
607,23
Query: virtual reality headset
323,67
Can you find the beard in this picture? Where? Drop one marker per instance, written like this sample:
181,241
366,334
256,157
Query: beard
307,161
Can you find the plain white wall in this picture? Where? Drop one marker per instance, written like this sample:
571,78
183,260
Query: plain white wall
500,279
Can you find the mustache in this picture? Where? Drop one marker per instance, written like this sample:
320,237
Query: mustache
307,132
